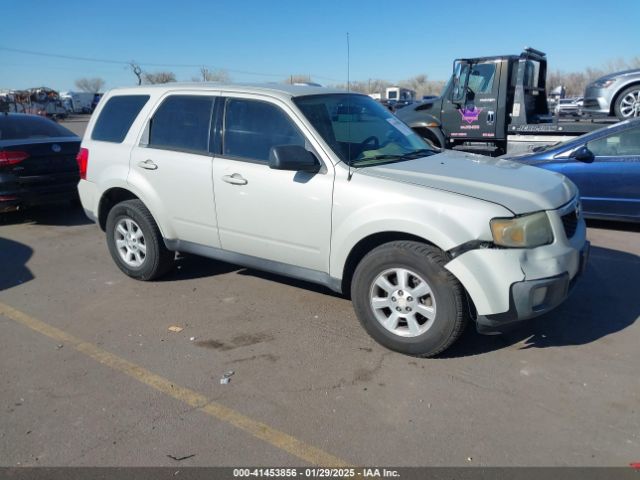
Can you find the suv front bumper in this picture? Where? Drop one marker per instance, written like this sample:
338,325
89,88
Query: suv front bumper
531,298
508,285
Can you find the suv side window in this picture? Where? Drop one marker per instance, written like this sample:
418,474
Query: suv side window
182,122
116,117
252,127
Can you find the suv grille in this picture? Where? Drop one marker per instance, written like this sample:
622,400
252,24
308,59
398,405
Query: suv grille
570,223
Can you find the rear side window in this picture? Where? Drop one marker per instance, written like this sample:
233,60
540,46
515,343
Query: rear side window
117,116
19,127
253,127
182,122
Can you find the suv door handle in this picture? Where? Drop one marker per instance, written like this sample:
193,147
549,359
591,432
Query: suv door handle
148,165
235,179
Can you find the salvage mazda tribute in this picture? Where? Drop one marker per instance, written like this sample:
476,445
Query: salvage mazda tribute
329,187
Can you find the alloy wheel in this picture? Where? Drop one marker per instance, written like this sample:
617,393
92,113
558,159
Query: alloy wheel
130,242
403,302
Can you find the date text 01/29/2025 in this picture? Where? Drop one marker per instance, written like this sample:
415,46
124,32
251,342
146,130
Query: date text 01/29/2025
314,472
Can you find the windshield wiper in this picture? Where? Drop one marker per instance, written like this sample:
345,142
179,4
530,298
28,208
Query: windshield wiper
423,152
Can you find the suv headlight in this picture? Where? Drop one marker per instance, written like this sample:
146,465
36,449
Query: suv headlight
526,231
603,83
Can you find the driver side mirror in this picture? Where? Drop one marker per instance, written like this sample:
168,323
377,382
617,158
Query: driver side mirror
293,157
583,154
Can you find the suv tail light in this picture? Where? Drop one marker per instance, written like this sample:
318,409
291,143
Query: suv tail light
83,160
12,158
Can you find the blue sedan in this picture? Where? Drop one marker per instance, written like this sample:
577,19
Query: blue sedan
604,164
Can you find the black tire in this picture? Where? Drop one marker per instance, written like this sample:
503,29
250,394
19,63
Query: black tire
428,262
158,259
618,105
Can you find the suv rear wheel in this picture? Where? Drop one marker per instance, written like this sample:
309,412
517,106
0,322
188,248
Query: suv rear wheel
135,242
407,300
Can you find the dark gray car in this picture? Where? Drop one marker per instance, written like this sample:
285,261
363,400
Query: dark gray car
615,94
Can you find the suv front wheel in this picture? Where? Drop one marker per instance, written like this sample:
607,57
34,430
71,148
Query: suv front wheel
407,300
135,242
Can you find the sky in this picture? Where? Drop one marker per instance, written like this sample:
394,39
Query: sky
257,41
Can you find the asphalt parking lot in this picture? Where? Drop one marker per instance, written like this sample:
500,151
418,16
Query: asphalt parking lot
91,375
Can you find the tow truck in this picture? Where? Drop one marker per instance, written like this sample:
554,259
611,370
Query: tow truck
493,106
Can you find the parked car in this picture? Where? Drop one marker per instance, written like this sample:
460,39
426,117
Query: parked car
267,177
605,165
615,94
37,161
567,106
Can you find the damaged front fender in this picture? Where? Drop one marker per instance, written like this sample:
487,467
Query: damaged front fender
487,275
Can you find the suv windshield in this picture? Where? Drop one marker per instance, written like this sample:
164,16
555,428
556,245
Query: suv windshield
361,131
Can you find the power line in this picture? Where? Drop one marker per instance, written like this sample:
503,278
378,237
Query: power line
149,64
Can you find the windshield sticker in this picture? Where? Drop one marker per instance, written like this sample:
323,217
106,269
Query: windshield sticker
400,126
470,115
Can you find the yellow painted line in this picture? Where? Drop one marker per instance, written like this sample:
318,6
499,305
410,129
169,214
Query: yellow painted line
260,430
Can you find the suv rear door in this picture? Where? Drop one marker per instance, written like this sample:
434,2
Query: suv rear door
172,166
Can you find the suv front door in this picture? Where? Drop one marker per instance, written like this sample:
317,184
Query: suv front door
278,215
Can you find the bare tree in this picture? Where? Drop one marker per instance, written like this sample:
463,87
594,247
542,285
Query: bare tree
420,83
355,86
417,84
423,86
377,85
158,77
91,85
137,71
207,75
298,79
434,87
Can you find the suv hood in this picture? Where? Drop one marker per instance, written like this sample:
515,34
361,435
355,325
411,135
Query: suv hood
515,186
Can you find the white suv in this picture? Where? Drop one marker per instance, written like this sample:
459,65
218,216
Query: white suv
329,187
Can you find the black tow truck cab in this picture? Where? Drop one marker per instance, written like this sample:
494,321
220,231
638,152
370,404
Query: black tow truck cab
493,105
